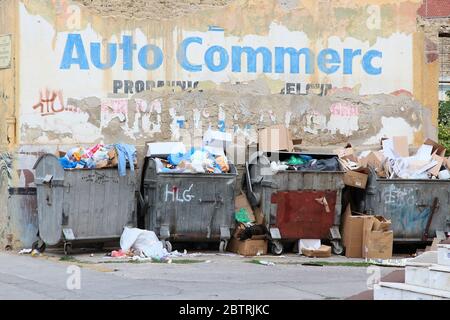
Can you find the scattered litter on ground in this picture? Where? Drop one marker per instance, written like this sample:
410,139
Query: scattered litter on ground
266,263
25,251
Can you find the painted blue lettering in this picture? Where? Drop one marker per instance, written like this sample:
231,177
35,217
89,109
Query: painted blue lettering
328,61
349,54
224,58
294,55
182,54
251,58
111,55
157,57
368,64
127,47
74,42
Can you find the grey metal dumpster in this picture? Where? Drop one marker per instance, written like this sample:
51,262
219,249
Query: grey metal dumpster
296,204
417,208
82,205
185,207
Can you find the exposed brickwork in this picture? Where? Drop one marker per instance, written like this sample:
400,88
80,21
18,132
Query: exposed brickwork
435,8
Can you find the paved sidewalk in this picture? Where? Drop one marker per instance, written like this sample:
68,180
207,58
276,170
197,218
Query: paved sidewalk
207,276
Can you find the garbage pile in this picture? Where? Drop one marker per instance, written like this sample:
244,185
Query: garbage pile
100,156
305,163
250,237
197,160
394,160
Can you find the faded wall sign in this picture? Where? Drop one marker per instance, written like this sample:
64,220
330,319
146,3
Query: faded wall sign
5,51
88,78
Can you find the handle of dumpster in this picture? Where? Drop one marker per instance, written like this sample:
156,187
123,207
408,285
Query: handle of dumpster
269,184
218,201
434,207
252,196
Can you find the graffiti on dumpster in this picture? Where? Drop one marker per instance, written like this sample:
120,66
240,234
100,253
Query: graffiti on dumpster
177,194
100,178
401,203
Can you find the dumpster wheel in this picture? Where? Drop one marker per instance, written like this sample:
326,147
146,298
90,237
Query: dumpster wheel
276,248
67,248
337,247
167,245
39,245
223,246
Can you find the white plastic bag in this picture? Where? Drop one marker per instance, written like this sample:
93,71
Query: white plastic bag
144,241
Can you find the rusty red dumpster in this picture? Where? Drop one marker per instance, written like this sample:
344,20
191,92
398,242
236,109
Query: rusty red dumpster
298,202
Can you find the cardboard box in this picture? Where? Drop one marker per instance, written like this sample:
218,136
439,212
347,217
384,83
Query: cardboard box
378,245
438,149
352,233
346,154
377,239
355,179
381,224
322,252
242,202
374,159
275,138
252,247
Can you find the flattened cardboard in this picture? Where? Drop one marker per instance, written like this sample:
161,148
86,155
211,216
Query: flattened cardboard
437,168
275,138
375,159
355,179
401,146
259,216
242,202
248,248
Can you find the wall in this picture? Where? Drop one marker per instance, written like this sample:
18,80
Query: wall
434,20
123,71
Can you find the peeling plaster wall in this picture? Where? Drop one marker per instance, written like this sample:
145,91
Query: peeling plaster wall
59,107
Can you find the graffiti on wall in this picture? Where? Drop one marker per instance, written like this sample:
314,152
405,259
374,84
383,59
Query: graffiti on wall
6,165
342,118
51,102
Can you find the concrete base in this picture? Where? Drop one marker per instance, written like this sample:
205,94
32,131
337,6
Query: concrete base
403,291
433,277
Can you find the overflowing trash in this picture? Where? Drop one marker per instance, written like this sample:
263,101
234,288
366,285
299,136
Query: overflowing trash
196,160
394,160
306,163
250,237
100,156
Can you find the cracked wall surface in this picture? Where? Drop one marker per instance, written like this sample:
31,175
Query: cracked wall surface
122,71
